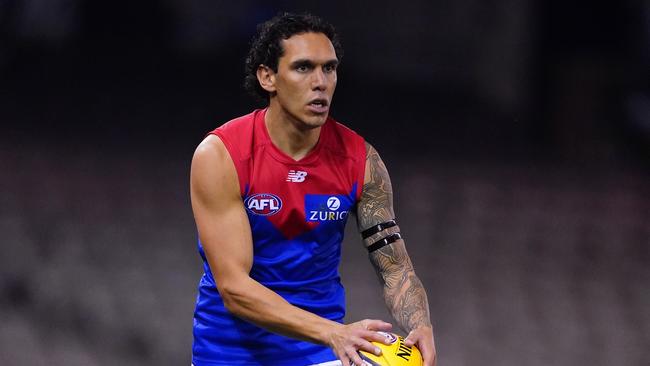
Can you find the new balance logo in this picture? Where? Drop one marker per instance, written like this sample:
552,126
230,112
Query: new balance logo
296,176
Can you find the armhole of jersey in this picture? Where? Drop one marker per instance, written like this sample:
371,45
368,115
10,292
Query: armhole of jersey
234,157
361,167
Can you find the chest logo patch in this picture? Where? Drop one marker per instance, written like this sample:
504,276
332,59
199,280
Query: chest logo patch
263,204
323,207
296,176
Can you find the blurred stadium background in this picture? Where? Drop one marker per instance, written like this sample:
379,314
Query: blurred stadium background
517,134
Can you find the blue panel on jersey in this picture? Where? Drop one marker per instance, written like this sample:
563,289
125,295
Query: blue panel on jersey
303,270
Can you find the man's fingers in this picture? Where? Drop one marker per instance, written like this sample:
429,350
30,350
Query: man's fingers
373,336
358,336
374,324
428,352
365,345
429,357
354,357
345,360
410,340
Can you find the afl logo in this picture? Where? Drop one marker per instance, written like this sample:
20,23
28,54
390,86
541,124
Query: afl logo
333,203
263,204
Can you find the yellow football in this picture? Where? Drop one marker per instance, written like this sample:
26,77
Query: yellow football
394,354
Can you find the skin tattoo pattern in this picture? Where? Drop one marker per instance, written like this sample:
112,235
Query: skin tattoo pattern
403,291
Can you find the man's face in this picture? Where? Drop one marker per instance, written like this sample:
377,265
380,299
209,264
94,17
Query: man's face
306,78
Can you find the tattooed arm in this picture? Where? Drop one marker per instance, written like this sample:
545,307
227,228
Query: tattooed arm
403,292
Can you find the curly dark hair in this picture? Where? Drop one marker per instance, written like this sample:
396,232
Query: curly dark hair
266,46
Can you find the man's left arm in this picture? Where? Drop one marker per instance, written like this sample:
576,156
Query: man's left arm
403,292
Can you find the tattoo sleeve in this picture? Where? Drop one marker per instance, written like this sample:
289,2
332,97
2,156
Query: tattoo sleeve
403,292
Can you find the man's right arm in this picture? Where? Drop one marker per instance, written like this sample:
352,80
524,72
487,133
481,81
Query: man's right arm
225,234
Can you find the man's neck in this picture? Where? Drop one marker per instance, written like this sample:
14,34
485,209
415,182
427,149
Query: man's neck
289,135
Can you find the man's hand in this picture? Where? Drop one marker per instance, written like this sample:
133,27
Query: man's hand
347,339
423,338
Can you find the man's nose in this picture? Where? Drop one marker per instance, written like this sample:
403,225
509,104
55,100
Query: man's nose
319,80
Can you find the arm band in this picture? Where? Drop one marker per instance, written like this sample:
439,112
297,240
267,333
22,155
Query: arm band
377,228
383,242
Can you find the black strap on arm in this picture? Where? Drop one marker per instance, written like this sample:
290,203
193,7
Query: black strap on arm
377,228
383,242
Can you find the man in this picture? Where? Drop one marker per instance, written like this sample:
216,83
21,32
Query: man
271,192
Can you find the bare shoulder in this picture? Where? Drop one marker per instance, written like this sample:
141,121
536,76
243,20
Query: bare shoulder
376,203
376,171
213,170
211,148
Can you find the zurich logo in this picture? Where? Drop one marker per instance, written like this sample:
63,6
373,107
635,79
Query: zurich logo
264,204
333,203
327,207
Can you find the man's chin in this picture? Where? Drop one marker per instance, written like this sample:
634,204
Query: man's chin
315,121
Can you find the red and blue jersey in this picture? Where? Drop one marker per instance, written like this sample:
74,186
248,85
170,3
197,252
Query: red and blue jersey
297,212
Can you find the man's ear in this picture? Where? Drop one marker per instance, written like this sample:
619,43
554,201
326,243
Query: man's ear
266,77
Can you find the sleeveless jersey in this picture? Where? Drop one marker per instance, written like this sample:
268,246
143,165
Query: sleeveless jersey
297,212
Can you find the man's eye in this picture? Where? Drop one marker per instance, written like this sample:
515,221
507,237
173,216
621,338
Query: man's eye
330,68
302,68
